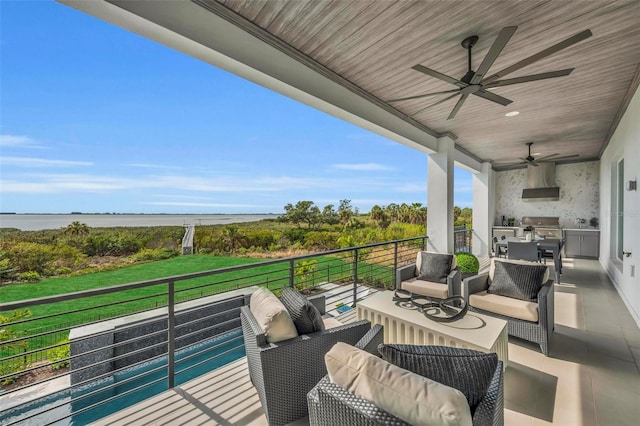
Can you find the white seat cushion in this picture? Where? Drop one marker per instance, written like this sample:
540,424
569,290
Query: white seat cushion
273,317
413,398
426,288
507,306
331,322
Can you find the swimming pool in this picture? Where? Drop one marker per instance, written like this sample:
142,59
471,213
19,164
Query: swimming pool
74,406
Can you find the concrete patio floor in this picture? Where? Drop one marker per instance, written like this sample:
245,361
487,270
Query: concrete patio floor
592,376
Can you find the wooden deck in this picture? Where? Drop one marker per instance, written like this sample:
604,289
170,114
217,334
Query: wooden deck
591,377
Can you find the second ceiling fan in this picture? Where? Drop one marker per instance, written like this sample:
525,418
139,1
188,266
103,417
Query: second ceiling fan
531,160
474,82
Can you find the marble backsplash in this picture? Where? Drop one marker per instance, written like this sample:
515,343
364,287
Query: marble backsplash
579,194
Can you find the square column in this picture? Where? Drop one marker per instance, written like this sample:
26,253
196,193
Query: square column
440,197
483,210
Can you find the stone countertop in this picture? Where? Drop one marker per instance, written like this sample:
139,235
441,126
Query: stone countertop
582,229
506,227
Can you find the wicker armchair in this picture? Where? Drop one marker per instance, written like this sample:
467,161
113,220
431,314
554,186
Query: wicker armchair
331,405
406,279
284,372
538,332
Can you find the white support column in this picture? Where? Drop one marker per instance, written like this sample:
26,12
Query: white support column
440,197
483,209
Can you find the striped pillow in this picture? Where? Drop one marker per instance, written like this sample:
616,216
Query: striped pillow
518,281
305,316
467,370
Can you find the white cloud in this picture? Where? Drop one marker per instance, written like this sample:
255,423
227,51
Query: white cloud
57,183
17,141
188,204
40,162
180,196
412,187
361,167
153,166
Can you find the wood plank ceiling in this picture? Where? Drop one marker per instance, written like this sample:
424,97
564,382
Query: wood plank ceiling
375,44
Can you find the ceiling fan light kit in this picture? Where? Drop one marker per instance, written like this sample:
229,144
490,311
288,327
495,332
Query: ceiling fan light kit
475,83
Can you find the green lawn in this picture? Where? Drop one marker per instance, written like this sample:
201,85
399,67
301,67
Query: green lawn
97,308
163,268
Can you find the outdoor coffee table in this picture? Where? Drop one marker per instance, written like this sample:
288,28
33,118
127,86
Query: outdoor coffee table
409,326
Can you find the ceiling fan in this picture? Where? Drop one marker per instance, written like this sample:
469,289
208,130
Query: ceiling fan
475,83
530,159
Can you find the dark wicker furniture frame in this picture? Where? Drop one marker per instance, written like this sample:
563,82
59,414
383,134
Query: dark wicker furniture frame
331,405
538,332
284,372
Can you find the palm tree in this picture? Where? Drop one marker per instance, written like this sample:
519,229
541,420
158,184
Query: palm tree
76,228
232,237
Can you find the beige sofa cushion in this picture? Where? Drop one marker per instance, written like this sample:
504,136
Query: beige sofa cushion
331,322
415,399
492,267
425,288
272,316
506,306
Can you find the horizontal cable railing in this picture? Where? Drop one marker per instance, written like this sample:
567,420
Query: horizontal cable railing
103,348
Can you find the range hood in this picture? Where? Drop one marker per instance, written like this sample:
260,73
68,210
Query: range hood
541,183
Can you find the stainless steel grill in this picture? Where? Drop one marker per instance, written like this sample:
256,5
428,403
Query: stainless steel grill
541,226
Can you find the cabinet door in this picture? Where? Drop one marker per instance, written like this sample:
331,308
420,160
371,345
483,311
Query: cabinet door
572,245
591,246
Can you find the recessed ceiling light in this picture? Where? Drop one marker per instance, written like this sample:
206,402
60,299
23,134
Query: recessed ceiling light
512,113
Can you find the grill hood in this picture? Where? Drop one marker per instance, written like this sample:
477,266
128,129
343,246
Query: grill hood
541,183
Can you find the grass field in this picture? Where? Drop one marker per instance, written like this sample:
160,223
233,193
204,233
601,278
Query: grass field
61,315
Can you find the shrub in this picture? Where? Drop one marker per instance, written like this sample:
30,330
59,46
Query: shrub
59,355
31,276
467,263
15,365
30,256
154,254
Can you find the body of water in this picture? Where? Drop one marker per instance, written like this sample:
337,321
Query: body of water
35,222
126,388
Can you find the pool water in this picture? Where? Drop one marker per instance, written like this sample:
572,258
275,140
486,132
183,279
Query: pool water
68,400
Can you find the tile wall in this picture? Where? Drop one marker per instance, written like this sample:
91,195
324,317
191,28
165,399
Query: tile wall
579,194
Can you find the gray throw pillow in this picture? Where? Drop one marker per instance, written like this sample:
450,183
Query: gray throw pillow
467,370
518,281
305,316
434,267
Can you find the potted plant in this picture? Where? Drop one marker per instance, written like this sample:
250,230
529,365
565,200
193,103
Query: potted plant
468,264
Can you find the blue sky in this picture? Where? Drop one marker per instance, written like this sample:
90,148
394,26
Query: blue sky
97,119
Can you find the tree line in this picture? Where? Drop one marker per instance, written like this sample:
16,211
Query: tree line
304,227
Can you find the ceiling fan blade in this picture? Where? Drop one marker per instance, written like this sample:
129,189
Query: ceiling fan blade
456,108
438,75
434,104
546,157
493,97
423,96
527,78
540,55
495,50
565,157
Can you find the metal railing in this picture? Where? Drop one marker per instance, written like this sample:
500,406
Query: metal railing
462,238
150,336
